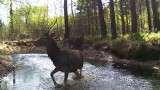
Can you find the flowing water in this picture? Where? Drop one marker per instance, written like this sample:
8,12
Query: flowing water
33,73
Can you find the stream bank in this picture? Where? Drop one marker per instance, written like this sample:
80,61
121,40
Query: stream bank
33,73
6,65
89,54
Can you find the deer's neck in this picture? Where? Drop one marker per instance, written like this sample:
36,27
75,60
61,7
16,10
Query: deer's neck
53,50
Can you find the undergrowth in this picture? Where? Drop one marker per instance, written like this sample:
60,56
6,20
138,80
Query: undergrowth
137,46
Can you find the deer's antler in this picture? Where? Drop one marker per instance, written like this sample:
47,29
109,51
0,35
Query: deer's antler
52,24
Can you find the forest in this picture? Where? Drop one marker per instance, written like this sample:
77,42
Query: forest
129,26
113,21
127,29
91,19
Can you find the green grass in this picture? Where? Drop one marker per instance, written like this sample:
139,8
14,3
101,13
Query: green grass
98,38
148,38
137,46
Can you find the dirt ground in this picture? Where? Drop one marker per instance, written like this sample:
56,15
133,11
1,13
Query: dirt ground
6,65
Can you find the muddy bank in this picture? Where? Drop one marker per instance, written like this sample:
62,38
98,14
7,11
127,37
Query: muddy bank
139,67
6,65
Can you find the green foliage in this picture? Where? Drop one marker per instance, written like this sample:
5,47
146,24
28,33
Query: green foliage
86,20
1,1
137,46
29,20
149,38
2,30
136,36
152,38
91,40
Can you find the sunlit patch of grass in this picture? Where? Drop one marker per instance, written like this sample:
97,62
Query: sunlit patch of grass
152,38
4,49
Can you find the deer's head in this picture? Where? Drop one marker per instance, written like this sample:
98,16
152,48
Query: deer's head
42,41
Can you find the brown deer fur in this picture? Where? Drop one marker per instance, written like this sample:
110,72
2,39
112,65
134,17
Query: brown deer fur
64,60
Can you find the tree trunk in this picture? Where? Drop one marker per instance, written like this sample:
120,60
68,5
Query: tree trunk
73,17
149,15
88,18
127,19
139,19
113,24
122,17
95,16
11,32
72,9
133,15
155,15
67,31
101,19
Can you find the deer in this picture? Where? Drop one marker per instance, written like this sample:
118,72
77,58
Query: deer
67,61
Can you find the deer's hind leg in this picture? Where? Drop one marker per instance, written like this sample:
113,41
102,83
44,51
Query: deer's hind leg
80,72
65,77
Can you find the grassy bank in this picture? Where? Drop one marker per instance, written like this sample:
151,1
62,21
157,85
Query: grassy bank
139,46
139,52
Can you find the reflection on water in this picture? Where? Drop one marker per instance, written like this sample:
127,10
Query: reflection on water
33,73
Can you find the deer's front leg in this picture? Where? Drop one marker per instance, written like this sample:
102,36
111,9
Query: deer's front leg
78,75
65,77
52,73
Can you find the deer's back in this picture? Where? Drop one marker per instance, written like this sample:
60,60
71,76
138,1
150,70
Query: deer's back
70,60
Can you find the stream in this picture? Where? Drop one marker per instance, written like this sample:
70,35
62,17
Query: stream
33,73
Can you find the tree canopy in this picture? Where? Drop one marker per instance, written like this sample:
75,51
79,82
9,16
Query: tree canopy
90,18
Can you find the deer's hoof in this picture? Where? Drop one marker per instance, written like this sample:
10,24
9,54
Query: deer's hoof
66,85
77,77
58,85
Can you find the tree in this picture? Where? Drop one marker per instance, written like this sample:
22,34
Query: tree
1,26
29,20
1,1
122,17
155,15
149,15
72,14
101,19
126,3
113,23
86,18
133,16
67,31
11,33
